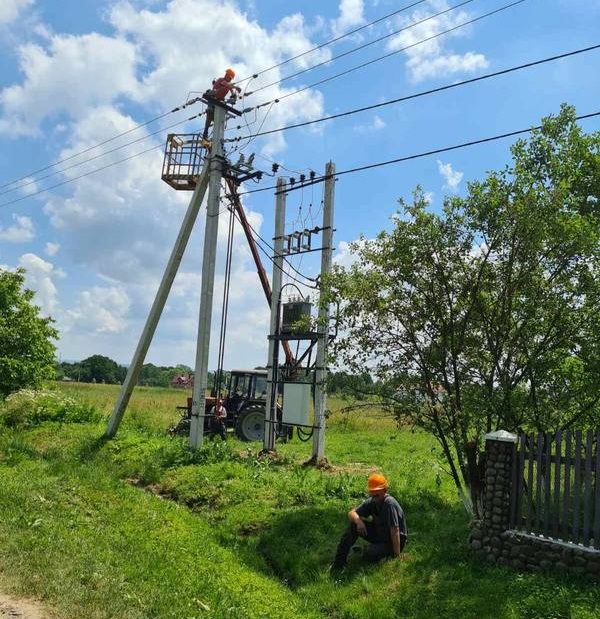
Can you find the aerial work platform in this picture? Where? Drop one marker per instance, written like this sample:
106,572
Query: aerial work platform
184,157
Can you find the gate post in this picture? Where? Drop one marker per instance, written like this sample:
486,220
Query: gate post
485,537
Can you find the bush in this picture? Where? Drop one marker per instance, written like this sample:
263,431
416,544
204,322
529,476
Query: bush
28,408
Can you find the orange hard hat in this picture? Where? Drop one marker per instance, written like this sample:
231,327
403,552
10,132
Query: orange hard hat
230,74
376,482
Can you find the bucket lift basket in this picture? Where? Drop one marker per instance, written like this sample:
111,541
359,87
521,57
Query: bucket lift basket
184,157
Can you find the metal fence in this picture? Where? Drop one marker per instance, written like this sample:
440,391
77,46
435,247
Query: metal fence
555,490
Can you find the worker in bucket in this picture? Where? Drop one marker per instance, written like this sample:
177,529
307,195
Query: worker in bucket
379,520
222,86
218,415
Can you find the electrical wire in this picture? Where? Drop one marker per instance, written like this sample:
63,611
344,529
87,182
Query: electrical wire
416,156
107,152
331,41
335,116
70,180
393,53
114,137
363,46
271,259
424,93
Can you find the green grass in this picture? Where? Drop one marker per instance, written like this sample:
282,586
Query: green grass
141,527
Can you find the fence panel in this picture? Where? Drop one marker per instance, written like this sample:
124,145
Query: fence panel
556,486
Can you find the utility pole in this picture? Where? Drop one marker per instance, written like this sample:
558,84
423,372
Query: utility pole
216,161
318,448
158,305
273,358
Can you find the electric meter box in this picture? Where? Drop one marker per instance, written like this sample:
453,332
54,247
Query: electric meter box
294,312
296,402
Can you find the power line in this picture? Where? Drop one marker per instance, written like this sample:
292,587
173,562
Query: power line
422,93
271,259
334,40
103,154
70,180
365,45
86,150
257,235
398,51
416,156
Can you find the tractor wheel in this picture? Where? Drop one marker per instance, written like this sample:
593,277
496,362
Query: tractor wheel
250,425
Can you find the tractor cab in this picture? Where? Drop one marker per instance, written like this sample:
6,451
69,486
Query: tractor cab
245,387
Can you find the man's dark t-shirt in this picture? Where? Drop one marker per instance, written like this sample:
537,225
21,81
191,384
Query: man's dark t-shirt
386,515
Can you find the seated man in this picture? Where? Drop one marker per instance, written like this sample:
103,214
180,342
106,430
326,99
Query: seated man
379,520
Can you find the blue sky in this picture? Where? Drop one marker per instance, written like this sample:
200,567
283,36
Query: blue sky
74,73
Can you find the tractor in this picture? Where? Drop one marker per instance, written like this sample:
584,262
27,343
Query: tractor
244,401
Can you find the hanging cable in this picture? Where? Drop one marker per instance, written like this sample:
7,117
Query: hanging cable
103,154
225,304
364,45
393,53
417,156
334,40
114,137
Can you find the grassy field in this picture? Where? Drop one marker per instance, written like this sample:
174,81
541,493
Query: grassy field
140,527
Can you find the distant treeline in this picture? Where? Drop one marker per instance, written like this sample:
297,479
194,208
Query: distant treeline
101,369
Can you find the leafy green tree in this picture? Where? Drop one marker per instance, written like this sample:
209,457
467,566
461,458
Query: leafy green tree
26,347
486,315
101,369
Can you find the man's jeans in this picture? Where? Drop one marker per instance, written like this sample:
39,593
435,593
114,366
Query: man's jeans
376,550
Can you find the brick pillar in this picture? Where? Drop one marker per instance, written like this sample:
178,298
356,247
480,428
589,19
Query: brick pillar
485,537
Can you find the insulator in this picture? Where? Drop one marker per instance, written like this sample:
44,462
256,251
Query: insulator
312,175
292,180
275,168
302,177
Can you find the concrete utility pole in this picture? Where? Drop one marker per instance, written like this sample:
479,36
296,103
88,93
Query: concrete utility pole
273,358
318,448
208,280
159,303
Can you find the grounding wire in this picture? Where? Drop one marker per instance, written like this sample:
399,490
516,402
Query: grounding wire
416,156
363,46
114,137
426,92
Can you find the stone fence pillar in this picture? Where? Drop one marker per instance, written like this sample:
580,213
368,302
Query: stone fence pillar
486,535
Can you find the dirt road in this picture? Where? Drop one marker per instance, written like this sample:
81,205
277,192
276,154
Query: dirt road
14,608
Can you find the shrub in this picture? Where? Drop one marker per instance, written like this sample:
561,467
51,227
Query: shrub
28,408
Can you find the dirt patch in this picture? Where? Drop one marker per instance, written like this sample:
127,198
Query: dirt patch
14,608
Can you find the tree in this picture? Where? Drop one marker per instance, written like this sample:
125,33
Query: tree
26,348
101,369
485,316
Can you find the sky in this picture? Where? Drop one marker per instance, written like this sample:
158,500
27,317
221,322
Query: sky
95,238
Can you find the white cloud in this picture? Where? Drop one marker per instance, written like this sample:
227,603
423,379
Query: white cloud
375,125
52,249
99,310
70,75
351,16
21,232
10,9
120,223
451,177
39,277
430,59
